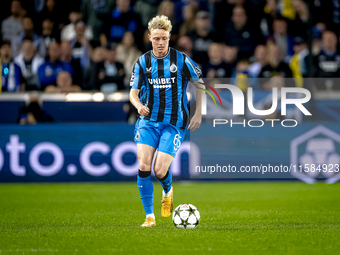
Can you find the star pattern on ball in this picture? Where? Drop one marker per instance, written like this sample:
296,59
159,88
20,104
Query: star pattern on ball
184,222
197,221
191,210
185,216
176,213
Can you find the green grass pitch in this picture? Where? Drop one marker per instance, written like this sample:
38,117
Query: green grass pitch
236,218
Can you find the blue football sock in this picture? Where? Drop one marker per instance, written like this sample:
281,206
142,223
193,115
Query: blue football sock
145,187
166,182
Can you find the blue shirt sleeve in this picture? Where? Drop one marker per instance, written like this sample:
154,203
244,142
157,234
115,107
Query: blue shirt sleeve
137,77
191,69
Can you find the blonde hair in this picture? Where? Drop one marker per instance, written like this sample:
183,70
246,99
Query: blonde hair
160,22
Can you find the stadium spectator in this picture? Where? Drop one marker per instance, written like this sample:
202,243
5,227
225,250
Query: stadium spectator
280,19
39,5
108,75
223,11
121,20
239,34
99,55
48,71
269,14
55,13
230,56
28,31
327,12
216,67
12,26
127,54
69,32
299,26
275,66
146,9
294,12
317,32
327,63
29,62
66,56
202,37
167,8
286,9
281,38
11,76
298,63
63,84
91,9
241,77
189,14
111,73
81,46
260,57
184,44
47,35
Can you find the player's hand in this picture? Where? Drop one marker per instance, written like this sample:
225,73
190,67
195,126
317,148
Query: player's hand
143,110
195,122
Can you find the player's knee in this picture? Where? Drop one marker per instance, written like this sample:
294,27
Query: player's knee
160,171
143,166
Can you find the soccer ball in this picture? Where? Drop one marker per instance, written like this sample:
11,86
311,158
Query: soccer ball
186,216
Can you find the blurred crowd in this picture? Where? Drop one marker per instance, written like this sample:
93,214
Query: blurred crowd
69,46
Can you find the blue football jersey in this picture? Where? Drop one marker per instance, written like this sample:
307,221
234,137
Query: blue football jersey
163,83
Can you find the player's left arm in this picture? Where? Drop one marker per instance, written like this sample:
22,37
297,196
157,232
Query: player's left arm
197,118
194,74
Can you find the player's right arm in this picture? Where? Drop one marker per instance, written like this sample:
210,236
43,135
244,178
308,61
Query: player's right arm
134,99
136,82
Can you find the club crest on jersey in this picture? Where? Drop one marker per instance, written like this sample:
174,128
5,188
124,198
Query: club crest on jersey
148,70
173,68
137,136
